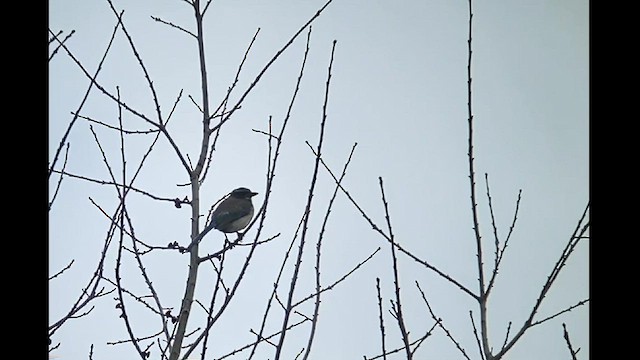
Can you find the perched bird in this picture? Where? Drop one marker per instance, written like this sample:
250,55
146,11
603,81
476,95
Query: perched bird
232,214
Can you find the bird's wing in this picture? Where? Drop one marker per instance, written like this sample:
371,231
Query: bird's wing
228,215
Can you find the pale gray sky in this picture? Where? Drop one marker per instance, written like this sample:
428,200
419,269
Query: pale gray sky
399,89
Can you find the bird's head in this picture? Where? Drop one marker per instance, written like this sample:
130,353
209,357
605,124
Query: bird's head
243,193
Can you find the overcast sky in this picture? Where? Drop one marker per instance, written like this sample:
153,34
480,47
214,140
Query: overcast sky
398,89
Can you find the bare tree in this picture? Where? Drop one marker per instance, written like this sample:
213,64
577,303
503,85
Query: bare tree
155,324
172,335
486,280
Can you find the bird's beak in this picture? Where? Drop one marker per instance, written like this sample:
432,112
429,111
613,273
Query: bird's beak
253,194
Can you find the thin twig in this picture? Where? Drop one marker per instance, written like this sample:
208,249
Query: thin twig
93,78
271,166
316,309
236,78
482,295
274,294
578,304
126,187
500,252
118,342
574,239
55,51
477,336
506,336
139,299
173,26
142,67
307,212
261,339
396,282
398,246
150,131
61,271
382,337
64,166
120,299
344,277
417,341
566,338
275,57
440,324
493,225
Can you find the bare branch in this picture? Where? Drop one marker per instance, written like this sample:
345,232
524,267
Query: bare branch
118,342
500,252
271,166
86,95
150,131
345,276
64,166
396,283
263,71
384,349
173,201
174,26
261,339
237,77
61,271
398,246
55,51
90,292
440,324
482,289
580,303
307,212
566,338
477,336
316,309
142,67
493,225
417,341
574,239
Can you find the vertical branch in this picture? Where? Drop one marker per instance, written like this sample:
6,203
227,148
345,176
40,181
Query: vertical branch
122,156
206,133
64,166
500,251
121,304
384,349
496,239
187,300
566,338
121,218
398,304
297,266
482,295
270,176
216,289
314,319
223,105
477,336
125,191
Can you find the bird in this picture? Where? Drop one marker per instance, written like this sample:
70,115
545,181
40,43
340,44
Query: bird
235,212
232,215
